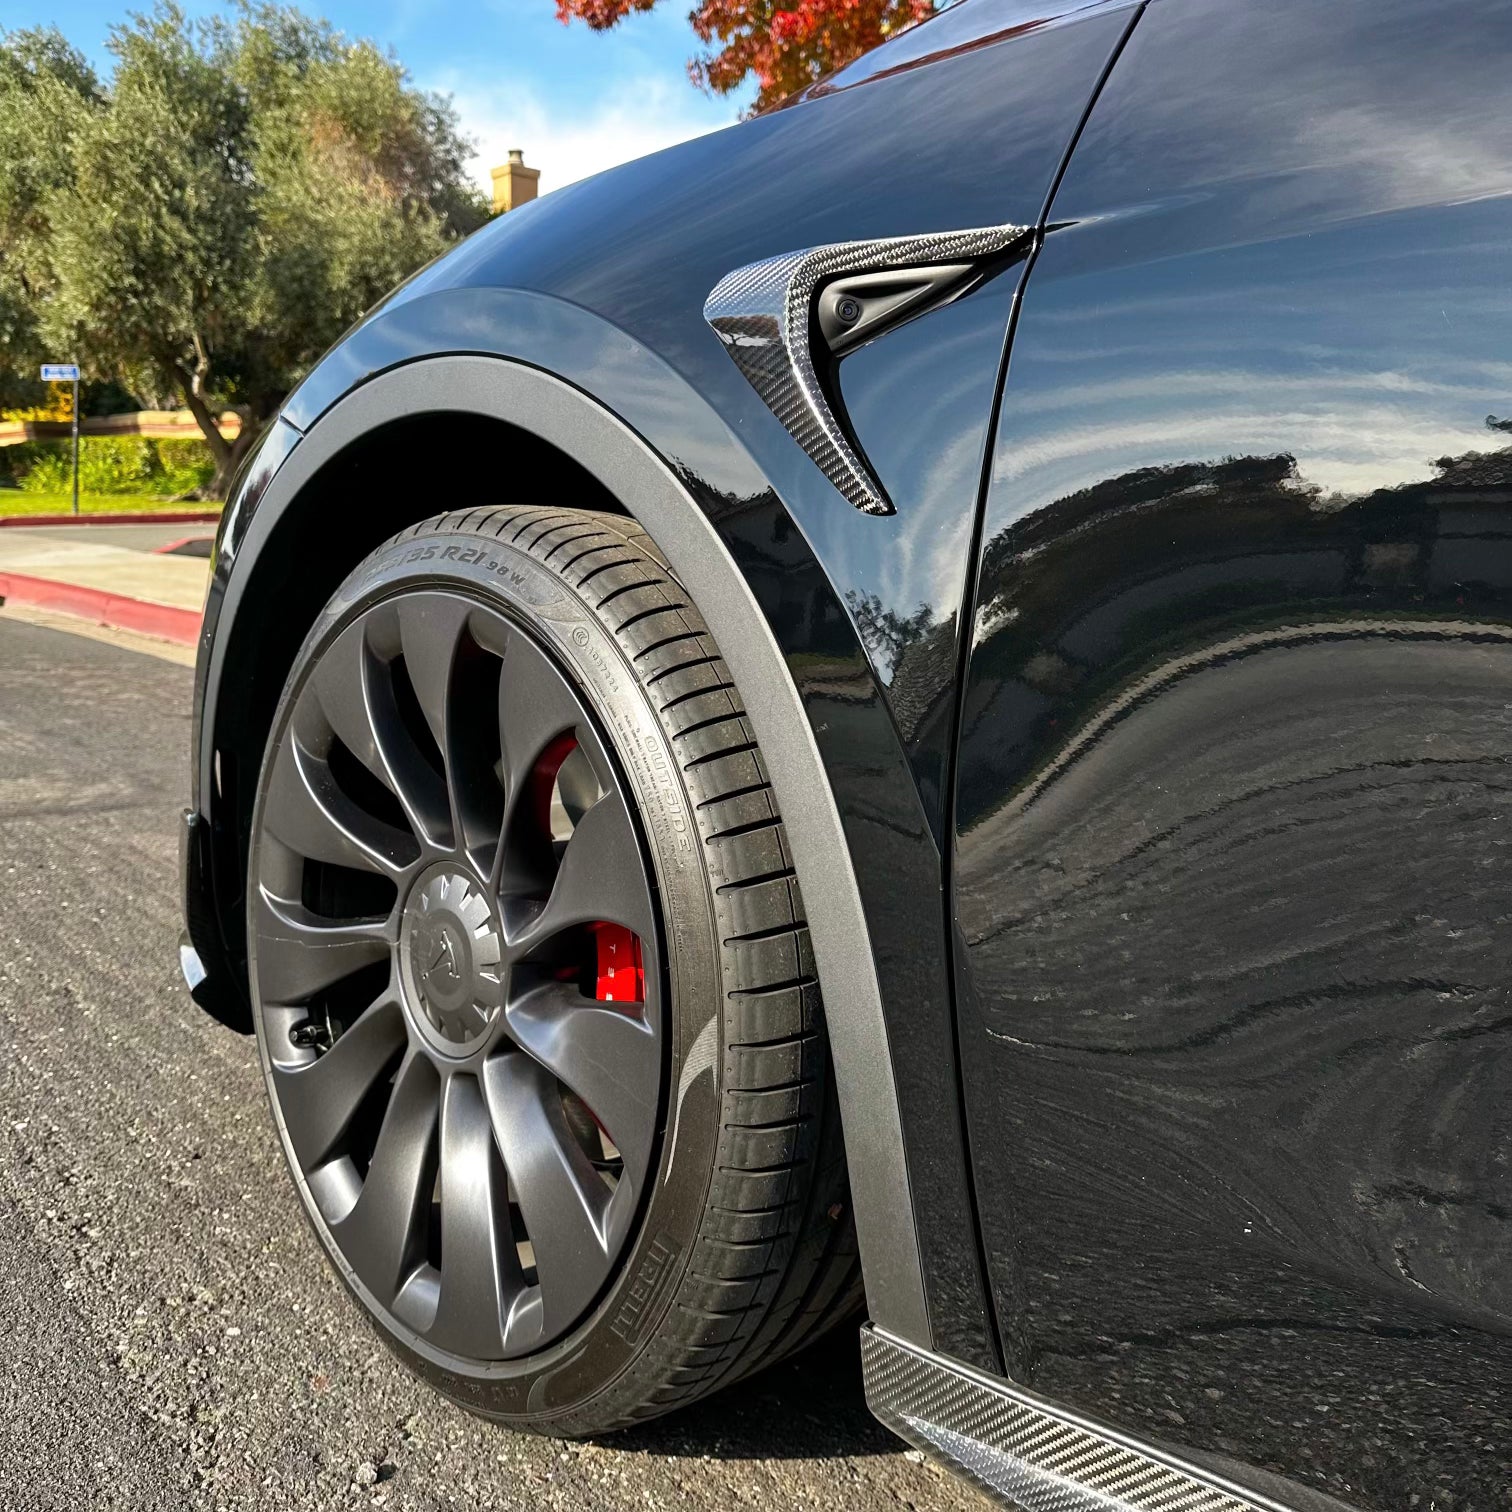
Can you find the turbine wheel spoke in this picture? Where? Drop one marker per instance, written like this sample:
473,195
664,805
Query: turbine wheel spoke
430,631
600,878
455,681
562,1198
535,706
320,1099
536,709
299,953
383,1236
480,1269
341,685
308,813
610,1059
355,689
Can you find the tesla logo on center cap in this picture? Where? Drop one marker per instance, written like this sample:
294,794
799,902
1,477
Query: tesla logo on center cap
451,960
445,956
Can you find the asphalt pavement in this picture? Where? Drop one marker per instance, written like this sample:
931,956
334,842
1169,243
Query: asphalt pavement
170,1336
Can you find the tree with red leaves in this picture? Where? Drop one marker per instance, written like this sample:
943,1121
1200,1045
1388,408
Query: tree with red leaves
784,49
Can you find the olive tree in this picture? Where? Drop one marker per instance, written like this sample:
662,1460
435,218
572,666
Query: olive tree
46,88
232,200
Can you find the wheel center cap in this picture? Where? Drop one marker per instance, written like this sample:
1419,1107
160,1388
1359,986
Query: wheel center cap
451,955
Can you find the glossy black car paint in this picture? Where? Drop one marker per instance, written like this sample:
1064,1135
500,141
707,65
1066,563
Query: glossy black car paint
1235,798
603,284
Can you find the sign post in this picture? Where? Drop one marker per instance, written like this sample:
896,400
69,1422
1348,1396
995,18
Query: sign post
68,372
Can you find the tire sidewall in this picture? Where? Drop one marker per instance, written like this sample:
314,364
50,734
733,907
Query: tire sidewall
569,1386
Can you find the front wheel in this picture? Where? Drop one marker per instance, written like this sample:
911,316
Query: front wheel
534,995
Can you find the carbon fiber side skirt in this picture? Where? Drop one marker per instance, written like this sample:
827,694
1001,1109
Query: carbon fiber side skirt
1027,1453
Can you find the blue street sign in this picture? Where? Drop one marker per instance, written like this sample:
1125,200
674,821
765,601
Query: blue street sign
60,372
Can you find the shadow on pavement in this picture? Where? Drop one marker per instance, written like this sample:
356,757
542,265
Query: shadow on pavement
810,1406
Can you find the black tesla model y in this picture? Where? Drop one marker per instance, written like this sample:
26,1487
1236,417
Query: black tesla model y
904,713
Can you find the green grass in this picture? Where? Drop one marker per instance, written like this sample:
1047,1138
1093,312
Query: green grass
14,501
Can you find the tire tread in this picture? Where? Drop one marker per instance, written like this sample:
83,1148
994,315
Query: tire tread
776,1227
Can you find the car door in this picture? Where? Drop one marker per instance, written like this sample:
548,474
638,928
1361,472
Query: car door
1235,768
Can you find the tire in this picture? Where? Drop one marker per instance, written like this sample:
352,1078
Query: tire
729,1240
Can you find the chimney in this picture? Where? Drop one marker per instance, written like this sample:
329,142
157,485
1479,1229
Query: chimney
513,183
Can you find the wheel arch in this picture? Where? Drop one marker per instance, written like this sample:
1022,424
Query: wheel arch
314,536
299,543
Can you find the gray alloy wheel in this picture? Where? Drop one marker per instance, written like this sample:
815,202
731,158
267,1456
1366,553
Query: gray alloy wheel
458,976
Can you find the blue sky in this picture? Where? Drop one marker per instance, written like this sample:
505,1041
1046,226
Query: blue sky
576,101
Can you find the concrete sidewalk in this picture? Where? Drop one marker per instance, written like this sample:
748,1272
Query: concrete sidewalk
129,567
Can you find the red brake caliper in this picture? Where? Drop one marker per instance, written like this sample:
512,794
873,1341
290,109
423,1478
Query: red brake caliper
621,977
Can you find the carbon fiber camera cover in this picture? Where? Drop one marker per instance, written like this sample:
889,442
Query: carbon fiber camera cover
763,314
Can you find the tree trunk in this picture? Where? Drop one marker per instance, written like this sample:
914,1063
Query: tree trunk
226,466
227,454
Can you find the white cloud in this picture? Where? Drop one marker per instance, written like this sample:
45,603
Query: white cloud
566,143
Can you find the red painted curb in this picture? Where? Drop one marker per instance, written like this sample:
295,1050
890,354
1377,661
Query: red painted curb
114,609
143,517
